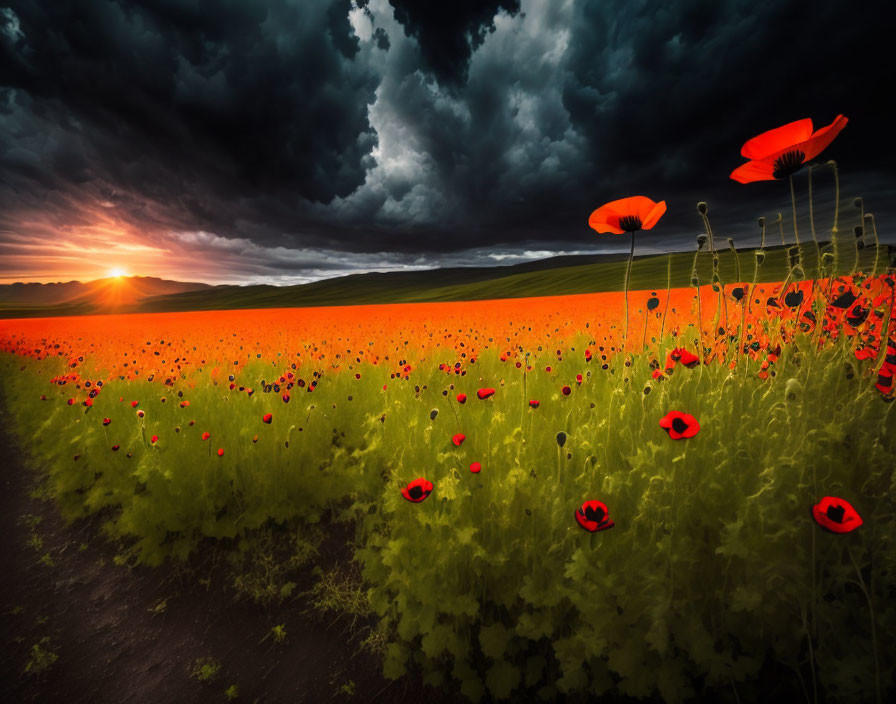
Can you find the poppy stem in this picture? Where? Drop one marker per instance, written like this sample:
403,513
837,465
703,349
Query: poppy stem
812,207
870,218
873,629
833,165
628,271
780,222
668,295
796,234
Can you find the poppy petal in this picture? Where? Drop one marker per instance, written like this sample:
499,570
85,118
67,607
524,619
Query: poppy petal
819,141
777,139
754,171
653,215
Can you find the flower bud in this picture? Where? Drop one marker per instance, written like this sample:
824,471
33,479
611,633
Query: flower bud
701,207
761,221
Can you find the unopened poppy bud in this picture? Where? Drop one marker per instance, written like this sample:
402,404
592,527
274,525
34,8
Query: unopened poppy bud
857,202
695,281
869,217
701,207
761,222
561,438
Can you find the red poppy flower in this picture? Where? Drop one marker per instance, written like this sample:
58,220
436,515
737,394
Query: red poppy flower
458,439
680,354
154,439
679,425
781,152
417,490
134,404
485,393
593,516
220,452
534,404
115,448
461,398
71,401
106,421
267,418
657,374
836,515
206,436
475,468
140,414
627,215
578,378
566,390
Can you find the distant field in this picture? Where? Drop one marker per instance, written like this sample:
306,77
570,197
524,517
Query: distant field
559,276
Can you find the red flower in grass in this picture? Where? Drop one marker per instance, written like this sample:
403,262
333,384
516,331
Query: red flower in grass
267,418
680,354
461,398
679,425
220,452
106,421
593,516
534,404
836,515
781,152
134,404
627,215
115,448
206,436
485,393
566,390
154,439
458,439
417,490
475,468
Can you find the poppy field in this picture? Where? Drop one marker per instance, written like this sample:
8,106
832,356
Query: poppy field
671,492
534,506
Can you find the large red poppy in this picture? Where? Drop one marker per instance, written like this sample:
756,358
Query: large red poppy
417,490
593,516
627,215
781,152
836,515
679,425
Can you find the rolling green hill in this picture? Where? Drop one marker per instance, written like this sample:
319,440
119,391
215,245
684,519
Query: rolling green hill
548,277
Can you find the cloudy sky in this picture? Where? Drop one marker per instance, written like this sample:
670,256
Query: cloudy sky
284,141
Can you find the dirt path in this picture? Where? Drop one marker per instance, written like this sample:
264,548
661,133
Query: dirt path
114,644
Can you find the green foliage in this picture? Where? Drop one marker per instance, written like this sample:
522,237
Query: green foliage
206,670
714,570
41,659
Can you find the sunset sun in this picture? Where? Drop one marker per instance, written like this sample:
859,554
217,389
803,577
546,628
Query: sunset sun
117,272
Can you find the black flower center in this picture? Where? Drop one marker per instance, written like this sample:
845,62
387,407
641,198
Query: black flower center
630,223
679,426
415,492
595,513
835,513
788,163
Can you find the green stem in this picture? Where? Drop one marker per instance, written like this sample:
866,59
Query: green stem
668,295
628,271
873,629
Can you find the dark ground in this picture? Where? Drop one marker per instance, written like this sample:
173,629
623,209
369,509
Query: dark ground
112,646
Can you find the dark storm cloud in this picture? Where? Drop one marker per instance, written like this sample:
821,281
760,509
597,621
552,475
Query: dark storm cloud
426,131
449,32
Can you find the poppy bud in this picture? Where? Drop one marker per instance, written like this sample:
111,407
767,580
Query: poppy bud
761,222
857,202
701,207
433,413
561,438
255,438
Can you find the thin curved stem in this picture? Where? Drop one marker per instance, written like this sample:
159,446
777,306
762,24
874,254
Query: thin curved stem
628,272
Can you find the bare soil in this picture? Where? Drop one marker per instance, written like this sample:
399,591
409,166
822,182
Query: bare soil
113,641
